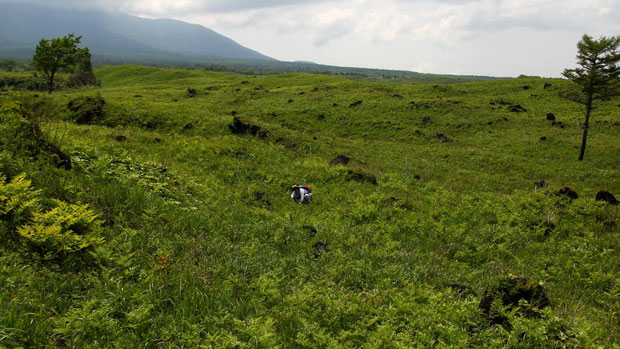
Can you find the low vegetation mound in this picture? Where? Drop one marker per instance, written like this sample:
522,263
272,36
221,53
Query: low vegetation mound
87,110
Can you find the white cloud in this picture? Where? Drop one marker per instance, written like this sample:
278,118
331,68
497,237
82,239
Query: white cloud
472,36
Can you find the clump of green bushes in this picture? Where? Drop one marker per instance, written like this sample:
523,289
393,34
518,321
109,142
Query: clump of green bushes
87,110
17,201
61,229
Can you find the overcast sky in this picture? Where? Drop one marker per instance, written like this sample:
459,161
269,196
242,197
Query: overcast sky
479,37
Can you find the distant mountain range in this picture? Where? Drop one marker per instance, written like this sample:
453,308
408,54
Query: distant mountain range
115,38
114,35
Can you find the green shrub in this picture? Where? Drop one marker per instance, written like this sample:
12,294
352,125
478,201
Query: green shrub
65,228
82,77
19,134
87,110
17,200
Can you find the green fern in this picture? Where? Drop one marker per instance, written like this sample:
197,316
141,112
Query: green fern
17,200
64,228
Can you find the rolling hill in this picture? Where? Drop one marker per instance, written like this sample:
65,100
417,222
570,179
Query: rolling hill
443,215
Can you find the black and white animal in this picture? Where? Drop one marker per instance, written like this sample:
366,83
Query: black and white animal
301,193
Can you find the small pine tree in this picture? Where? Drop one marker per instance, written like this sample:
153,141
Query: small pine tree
598,75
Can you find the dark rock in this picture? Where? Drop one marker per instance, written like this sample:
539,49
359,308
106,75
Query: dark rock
462,290
62,160
340,160
151,124
549,227
240,127
137,96
361,177
311,229
543,138
526,296
418,177
254,130
320,248
607,197
490,123
355,104
500,102
516,109
121,138
261,197
260,133
87,110
290,101
443,138
526,87
427,120
188,127
335,105
550,117
569,192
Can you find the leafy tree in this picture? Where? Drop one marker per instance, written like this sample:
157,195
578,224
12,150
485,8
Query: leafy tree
598,75
59,53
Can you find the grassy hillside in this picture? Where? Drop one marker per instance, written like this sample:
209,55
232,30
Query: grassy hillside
198,242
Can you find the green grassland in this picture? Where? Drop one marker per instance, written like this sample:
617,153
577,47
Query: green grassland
203,246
